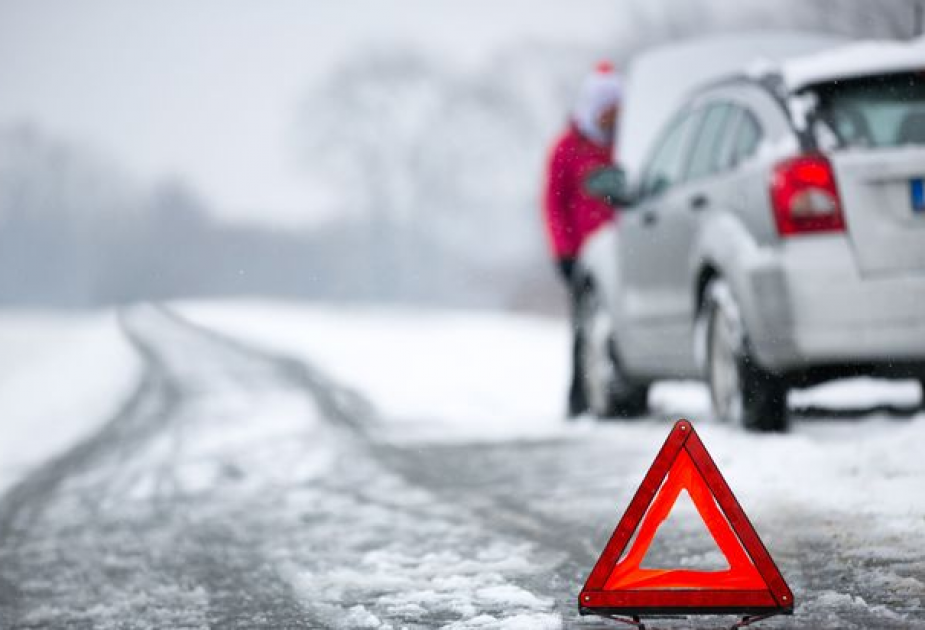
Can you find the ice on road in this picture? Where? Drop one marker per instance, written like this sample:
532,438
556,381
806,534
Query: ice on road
291,467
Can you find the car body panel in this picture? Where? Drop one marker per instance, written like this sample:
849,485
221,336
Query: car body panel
840,313
597,263
887,232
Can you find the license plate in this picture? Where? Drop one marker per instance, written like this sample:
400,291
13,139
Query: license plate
917,190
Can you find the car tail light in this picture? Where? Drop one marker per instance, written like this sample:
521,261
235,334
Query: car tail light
805,198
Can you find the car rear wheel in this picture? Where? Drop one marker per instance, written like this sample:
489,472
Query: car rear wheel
608,391
742,392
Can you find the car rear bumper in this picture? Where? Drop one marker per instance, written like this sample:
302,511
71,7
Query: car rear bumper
806,304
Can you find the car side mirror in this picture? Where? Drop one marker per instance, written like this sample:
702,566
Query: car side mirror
609,184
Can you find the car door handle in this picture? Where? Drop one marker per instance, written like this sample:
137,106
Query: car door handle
699,202
649,218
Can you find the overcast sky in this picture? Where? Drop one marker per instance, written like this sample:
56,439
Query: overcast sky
207,89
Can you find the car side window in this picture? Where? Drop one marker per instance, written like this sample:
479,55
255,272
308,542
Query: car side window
726,150
665,166
710,135
746,140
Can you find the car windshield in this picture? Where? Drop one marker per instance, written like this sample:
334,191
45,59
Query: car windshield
881,111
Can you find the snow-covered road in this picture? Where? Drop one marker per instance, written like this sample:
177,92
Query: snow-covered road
242,486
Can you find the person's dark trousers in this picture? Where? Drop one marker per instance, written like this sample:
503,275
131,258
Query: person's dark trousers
577,403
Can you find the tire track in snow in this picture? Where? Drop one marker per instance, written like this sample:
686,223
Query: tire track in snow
77,548
339,403
351,411
502,506
562,496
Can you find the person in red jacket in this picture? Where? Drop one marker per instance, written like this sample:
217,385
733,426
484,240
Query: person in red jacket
571,214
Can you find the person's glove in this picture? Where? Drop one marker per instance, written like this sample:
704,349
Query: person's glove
566,268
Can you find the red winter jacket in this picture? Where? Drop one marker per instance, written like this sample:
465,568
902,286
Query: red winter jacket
571,214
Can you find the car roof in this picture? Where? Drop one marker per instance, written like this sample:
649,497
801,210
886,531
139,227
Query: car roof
843,62
659,80
854,61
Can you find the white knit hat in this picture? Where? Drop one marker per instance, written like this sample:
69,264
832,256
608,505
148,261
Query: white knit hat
603,88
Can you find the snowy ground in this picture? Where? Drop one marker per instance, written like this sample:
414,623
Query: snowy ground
61,377
313,467
472,377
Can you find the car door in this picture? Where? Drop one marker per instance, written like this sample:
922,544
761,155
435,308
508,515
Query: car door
698,190
644,246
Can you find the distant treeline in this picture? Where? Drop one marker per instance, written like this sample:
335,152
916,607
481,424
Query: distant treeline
434,174
75,233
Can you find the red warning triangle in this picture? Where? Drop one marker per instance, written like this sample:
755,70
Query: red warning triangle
751,584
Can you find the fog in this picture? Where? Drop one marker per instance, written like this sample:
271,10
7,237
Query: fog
373,152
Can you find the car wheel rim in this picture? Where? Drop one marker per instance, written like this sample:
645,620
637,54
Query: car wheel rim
597,365
725,375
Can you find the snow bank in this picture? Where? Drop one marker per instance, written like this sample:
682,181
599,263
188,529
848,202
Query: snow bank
449,375
867,467
61,377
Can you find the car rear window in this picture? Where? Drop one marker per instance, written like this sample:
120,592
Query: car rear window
880,111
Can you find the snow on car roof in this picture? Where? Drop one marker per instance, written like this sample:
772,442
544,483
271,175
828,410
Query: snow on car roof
854,60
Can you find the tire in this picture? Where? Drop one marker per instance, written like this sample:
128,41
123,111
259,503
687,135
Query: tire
742,392
608,391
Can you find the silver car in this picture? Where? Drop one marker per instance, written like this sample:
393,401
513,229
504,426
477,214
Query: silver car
776,238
